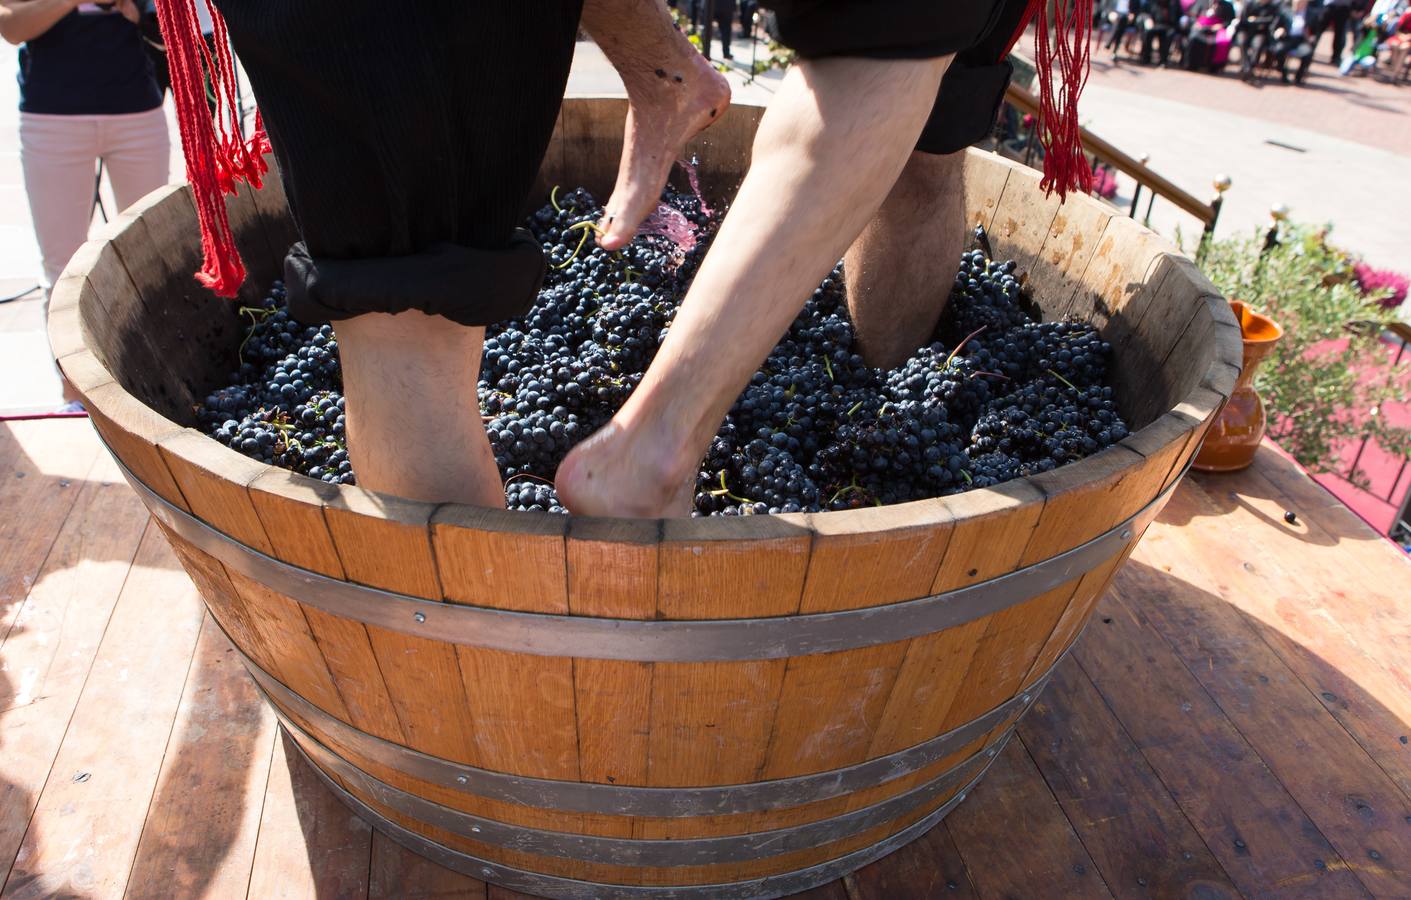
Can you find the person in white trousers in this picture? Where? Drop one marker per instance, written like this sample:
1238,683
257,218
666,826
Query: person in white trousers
87,93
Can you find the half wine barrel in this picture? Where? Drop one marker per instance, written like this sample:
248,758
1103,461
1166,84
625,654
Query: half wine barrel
580,707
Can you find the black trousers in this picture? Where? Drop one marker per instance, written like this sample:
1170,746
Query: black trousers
724,28
1161,36
1293,50
408,138
1338,18
1120,25
1251,42
976,31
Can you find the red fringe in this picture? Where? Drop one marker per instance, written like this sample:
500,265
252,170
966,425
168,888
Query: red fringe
217,156
1063,41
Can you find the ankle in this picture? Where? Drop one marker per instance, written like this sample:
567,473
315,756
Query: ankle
666,454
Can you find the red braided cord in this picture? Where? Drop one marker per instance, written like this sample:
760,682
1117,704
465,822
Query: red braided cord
1063,39
216,156
235,154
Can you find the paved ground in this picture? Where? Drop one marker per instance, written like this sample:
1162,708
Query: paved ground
1360,109
1334,151
1350,140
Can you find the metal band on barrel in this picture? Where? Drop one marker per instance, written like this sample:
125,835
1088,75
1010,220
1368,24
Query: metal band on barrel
694,640
637,851
629,800
573,889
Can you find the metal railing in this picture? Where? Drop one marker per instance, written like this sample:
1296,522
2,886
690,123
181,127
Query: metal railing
1400,529
1156,185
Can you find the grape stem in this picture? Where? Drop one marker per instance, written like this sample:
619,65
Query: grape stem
725,491
257,318
960,346
1062,379
554,199
842,491
586,226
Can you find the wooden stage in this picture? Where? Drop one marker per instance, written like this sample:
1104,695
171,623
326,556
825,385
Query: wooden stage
1234,723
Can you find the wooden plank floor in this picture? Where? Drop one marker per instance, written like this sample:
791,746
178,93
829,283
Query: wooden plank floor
1234,723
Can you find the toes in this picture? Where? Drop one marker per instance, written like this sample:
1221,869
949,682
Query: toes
636,203
638,190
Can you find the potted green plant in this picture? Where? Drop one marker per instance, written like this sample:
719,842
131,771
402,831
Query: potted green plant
1326,381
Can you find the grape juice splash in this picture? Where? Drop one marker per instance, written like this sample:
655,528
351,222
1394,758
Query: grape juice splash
994,394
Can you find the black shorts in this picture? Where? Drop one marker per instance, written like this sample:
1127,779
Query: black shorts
978,32
408,138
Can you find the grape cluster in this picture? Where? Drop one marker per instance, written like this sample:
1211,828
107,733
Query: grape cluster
995,394
285,404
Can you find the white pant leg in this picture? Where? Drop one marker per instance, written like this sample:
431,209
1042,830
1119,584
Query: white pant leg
59,157
136,151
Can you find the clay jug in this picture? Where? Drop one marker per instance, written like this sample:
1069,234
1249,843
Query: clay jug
1234,437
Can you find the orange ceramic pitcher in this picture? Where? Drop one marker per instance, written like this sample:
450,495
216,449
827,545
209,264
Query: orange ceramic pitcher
1234,437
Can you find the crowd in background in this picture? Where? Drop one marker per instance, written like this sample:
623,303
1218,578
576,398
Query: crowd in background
722,15
92,77
1279,36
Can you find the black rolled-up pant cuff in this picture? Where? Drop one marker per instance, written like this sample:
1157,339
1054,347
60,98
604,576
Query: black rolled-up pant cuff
966,106
467,285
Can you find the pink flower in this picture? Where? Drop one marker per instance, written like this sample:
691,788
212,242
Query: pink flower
1388,288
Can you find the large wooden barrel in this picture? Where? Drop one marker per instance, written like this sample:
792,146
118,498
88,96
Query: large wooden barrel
580,707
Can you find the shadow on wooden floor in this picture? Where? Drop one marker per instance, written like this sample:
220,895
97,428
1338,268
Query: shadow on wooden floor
1265,491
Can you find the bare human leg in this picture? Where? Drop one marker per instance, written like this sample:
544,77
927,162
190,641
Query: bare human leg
828,150
414,426
673,93
900,269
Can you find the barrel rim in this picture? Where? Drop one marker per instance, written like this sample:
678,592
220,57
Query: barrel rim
71,344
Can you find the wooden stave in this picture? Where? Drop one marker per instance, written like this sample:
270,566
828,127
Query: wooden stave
521,880
836,517
245,497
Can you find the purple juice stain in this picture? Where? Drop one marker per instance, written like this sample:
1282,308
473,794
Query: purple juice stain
671,223
694,182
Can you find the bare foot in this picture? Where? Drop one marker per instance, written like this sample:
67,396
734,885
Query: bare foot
616,473
668,106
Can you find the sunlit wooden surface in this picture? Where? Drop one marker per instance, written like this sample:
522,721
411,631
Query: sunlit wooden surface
1234,723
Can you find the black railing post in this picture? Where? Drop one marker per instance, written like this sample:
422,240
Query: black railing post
1137,193
1221,184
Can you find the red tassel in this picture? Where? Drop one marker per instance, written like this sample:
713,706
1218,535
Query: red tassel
217,156
1062,40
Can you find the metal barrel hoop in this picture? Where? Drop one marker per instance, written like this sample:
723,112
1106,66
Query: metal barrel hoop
628,800
637,851
573,889
684,640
